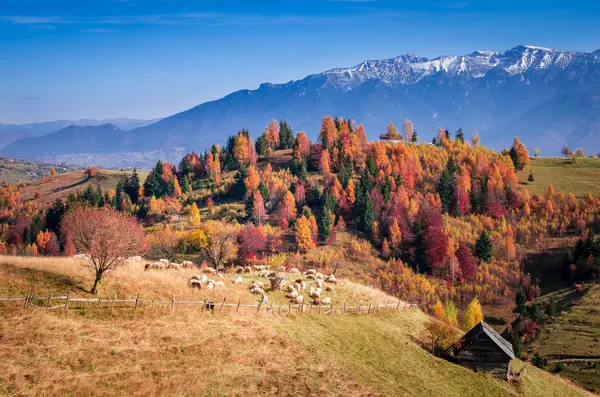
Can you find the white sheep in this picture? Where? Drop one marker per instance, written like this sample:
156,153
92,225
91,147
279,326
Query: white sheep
248,269
220,275
311,277
210,270
329,288
259,284
293,294
319,276
281,269
210,285
165,261
257,291
195,284
300,285
319,283
310,271
219,284
264,273
314,294
259,267
331,279
187,264
290,288
196,277
326,301
204,279
238,280
299,299
174,266
295,271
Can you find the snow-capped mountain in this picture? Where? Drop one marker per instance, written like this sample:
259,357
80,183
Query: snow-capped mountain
548,97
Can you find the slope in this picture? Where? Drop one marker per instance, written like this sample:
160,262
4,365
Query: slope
187,352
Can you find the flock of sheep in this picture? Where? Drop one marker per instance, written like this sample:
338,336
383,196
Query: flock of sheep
211,279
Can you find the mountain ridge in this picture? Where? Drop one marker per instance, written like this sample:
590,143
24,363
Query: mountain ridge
521,91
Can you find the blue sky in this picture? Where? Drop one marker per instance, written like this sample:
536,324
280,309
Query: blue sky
71,59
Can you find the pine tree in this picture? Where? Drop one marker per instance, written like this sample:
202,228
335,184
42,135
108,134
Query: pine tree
460,136
345,173
325,223
530,177
286,136
473,315
185,185
415,137
483,246
368,216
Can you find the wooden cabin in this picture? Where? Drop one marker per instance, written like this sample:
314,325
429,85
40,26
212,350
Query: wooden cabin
483,349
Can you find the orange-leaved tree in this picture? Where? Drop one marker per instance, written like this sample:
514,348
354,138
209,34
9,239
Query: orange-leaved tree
107,237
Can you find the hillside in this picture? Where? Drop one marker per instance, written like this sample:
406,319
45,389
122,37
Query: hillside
547,97
16,171
570,341
186,352
580,178
61,185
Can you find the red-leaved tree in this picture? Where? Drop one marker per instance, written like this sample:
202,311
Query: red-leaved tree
106,236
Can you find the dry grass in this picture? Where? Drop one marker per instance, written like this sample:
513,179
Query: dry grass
182,354
55,276
97,352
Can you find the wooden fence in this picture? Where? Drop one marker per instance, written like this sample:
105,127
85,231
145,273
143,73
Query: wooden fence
49,303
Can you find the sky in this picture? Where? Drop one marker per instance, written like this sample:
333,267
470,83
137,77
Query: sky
73,59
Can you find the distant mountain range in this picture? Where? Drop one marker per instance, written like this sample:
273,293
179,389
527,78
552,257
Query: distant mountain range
13,132
548,97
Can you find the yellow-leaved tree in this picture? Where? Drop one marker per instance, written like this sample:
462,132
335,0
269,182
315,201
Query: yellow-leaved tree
473,315
194,215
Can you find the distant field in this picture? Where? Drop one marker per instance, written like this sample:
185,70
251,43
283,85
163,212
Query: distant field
573,338
62,185
579,178
17,172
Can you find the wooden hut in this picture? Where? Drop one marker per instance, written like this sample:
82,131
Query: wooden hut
483,349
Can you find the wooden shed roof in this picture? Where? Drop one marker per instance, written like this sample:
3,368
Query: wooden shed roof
484,329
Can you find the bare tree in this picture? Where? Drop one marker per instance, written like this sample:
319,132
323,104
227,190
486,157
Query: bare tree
106,237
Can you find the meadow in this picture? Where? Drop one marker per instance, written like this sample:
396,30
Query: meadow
579,177
96,352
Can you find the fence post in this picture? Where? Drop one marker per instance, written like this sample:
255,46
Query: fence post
398,305
173,303
319,308
98,302
223,304
289,308
137,300
67,302
238,306
112,305
152,304
358,307
280,308
344,307
26,298
369,311
48,302
203,305
258,307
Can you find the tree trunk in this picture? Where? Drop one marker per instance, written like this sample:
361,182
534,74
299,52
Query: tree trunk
97,281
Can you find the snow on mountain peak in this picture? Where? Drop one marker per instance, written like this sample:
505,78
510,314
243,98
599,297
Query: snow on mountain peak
410,69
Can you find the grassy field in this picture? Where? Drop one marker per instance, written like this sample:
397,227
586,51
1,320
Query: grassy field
187,352
573,337
61,185
17,171
579,178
